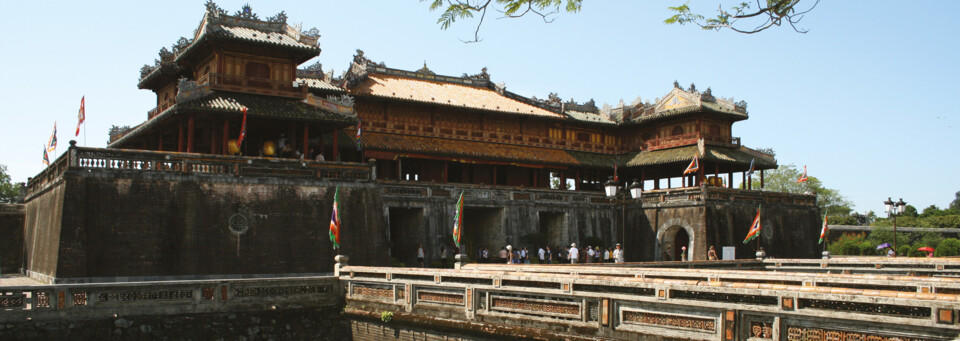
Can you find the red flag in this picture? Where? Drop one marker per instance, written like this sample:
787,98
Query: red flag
81,115
52,144
694,165
823,231
803,177
458,220
243,128
46,159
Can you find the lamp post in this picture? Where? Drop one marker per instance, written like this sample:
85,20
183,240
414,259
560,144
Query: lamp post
893,209
611,188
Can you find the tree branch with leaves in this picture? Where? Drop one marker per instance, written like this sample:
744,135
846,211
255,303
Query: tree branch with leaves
461,9
743,19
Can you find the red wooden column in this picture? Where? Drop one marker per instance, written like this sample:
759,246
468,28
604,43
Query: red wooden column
180,136
761,178
730,180
336,135
160,141
190,134
226,136
576,186
306,140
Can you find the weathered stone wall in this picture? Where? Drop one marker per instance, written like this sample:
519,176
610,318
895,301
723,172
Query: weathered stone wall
136,224
495,218
293,324
788,231
11,245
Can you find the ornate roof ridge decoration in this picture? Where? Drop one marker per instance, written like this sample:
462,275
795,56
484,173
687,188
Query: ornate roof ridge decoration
425,70
362,66
188,90
314,70
681,100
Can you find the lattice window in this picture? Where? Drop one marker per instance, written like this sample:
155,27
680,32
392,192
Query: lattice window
79,298
42,299
281,291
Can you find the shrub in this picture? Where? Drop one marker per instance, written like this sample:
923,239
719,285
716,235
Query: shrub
847,244
904,250
868,248
386,316
948,247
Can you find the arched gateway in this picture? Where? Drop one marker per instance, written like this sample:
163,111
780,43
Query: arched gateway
671,240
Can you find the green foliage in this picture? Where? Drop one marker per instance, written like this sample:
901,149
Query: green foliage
955,204
909,211
773,13
843,220
386,316
847,244
948,248
462,9
784,179
9,192
904,249
534,240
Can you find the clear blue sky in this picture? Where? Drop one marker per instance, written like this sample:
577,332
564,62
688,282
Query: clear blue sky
865,99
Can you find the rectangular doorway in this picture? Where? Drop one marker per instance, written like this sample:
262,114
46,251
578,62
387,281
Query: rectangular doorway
552,226
405,234
482,227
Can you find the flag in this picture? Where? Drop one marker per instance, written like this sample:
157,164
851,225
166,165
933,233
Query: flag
615,177
46,159
458,220
81,115
754,228
243,128
803,176
359,125
52,144
335,220
750,171
823,231
694,165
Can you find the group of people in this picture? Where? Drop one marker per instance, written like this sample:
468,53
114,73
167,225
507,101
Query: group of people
546,255
287,150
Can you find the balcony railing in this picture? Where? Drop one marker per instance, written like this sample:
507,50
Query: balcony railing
243,82
688,139
92,159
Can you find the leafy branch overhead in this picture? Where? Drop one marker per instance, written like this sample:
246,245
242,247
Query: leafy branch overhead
743,18
461,9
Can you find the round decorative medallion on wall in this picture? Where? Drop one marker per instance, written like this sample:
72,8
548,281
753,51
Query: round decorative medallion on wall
238,224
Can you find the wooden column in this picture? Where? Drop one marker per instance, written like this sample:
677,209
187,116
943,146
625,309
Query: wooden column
536,178
306,141
643,178
213,138
656,183
336,136
668,183
226,136
190,133
446,169
730,180
399,167
576,186
180,136
160,141
761,178
744,181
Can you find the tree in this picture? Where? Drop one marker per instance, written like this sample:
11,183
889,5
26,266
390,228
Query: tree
460,9
9,192
955,204
784,179
773,13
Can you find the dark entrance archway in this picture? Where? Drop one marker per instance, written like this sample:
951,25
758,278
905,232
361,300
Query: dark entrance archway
405,232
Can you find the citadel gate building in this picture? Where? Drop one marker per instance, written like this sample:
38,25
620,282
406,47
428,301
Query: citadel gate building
176,195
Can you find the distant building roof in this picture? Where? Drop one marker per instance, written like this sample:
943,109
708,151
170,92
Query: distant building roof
719,154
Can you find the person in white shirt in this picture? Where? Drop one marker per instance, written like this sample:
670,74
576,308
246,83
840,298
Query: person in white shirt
590,254
541,253
606,255
574,253
618,254
523,255
420,255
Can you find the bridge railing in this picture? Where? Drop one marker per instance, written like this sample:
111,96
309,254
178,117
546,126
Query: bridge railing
667,303
103,300
144,161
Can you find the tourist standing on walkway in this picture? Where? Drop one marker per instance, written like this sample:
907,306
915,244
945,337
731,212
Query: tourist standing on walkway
523,255
503,255
420,255
549,255
443,257
683,253
618,254
590,254
712,254
509,254
606,255
485,256
573,254
541,254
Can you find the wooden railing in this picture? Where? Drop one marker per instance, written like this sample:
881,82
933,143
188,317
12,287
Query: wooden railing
688,139
84,158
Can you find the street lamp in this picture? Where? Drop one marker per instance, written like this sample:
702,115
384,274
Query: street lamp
610,188
893,209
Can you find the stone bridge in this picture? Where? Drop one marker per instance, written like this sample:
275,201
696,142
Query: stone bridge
863,299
